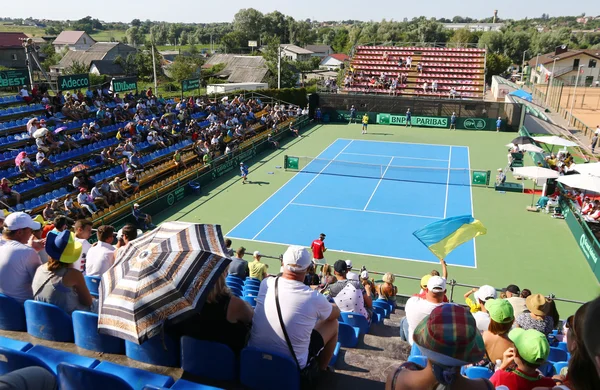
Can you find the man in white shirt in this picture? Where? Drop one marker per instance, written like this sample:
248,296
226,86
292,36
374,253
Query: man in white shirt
83,232
418,308
513,296
18,261
101,256
350,275
311,322
482,317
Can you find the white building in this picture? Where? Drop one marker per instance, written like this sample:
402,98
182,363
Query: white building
74,40
295,53
473,27
333,61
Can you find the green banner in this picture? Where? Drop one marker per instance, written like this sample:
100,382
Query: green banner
190,85
176,196
123,84
420,121
73,81
588,246
476,123
481,178
14,78
233,162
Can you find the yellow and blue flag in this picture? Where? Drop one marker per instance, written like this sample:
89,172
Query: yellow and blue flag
442,237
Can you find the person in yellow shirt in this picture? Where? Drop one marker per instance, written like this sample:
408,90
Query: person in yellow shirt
473,305
257,269
365,123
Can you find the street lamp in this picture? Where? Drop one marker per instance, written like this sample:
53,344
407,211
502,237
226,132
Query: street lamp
551,79
579,71
523,68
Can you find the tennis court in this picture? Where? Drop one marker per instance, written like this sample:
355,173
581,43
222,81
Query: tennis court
368,197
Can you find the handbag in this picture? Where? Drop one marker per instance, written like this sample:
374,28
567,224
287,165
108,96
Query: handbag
310,374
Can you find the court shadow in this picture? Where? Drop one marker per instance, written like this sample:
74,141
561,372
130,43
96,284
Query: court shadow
260,183
380,134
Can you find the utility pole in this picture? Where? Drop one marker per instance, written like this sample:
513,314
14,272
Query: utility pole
154,69
579,69
523,68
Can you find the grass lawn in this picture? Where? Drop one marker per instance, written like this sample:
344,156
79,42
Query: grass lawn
33,31
108,35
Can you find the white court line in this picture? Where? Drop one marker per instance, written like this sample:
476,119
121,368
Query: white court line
301,191
279,189
354,253
471,191
364,211
448,182
378,183
397,142
383,155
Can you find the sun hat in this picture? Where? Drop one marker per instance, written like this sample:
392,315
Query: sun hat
486,292
449,336
436,284
20,220
424,281
532,345
296,258
256,253
349,264
537,304
340,267
364,275
500,310
63,247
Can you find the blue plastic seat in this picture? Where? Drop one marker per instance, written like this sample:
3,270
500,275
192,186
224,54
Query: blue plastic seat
48,322
252,282
11,360
208,359
348,335
558,366
418,359
562,345
135,377
234,283
12,315
269,371
92,283
182,384
414,350
72,377
53,357
153,351
385,301
250,300
85,329
478,372
16,345
557,355
383,305
378,315
234,278
357,320
236,291
336,353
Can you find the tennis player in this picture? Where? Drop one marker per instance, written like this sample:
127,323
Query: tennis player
318,248
408,118
365,123
244,172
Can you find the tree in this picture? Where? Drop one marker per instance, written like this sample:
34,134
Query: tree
249,23
301,33
77,68
183,68
232,41
275,24
462,37
270,54
135,36
496,64
493,41
340,42
136,23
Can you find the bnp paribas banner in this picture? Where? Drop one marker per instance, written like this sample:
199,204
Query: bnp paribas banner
420,121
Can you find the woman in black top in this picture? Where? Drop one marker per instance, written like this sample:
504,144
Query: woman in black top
224,319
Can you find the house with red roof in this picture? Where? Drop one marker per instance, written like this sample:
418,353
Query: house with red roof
12,53
333,61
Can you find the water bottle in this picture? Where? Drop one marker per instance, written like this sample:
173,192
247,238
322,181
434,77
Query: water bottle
498,364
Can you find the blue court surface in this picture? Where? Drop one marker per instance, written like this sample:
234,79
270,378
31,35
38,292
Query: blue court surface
368,197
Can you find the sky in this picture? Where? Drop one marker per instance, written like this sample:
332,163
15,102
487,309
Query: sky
204,11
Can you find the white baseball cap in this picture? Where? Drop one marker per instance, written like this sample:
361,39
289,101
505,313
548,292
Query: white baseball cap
20,220
349,264
296,258
136,205
256,253
486,292
436,284
364,275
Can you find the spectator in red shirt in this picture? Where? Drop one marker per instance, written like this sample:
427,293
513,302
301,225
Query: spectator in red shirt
530,352
318,248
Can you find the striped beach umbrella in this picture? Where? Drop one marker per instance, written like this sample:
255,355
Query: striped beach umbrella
162,276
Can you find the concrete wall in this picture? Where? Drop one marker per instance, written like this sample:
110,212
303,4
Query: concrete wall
7,58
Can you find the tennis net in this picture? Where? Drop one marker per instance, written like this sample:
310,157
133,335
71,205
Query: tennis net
418,174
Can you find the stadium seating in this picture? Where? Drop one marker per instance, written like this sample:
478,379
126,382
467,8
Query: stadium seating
384,306
283,372
250,300
12,315
92,283
458,68
72,377
11,360
135,377
356,320
418,359
161,350
182,384
208,359
85,329
478,372
48,322
16,345
557,355
348,335
53,357
558,366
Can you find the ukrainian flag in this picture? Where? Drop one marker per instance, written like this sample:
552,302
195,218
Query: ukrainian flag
442,237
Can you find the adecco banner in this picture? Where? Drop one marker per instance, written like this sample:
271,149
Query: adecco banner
14,78
190,85
73,81
123,84
419,121
585,244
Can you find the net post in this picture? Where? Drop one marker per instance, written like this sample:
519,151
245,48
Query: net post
285,162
